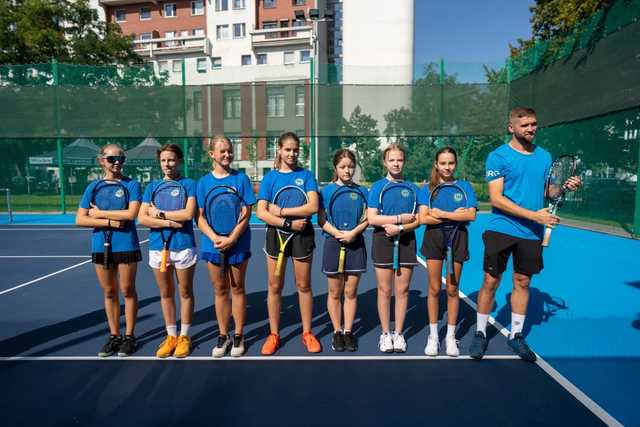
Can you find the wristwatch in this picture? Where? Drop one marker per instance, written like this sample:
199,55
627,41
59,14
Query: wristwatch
161,215
401,227
286,224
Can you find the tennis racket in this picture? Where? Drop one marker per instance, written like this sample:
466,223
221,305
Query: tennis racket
109,195
223,209
290,196
448,197
168,196
563,168
397,198
347,209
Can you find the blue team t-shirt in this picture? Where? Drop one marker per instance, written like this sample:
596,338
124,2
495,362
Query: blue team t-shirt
376,189
524,178
241,183
274,180
122,240
327,192
472,201
183,238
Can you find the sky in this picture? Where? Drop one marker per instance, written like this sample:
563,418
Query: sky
468,33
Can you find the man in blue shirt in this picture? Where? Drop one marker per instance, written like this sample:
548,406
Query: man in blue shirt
516,174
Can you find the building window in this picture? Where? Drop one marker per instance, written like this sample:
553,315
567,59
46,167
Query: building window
300,101
145,13
261,58
198,32
269,3
201,65
298,2
289,58
222,5
216,62
305,55
236,142
197,105
268,26
177,65
222,32
232,104
197,7
272,145
121,15
170,10
299,23
170,35
275,102
163,67
245,60
239,31
146,36
238,4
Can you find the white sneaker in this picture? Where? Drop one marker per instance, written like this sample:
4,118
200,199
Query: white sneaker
431,348
237,349
452,347
385,343
399,344
221,347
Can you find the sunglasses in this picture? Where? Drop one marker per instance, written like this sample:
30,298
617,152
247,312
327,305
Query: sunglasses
113,159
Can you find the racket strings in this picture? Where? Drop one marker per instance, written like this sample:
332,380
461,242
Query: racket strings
347,210
223,212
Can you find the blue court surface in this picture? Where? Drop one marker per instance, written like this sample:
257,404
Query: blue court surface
583,321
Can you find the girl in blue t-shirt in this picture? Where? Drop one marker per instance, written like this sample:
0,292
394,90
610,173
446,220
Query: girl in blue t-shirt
120,272
344,165
300,248
434,247
386,228
177,227
230,298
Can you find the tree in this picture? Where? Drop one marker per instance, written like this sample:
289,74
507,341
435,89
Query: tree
360,133
35,31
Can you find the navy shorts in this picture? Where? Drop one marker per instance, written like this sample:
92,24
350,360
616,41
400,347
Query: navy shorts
355,257
233,259
498,247
382,249
300,246
434,245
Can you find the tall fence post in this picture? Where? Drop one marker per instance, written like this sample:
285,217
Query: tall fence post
185,140
312,112
636,215
442,95
56,109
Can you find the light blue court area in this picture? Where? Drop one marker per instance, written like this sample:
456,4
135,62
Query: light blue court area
584,311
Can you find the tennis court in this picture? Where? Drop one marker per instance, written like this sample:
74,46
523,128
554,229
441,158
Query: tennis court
582,321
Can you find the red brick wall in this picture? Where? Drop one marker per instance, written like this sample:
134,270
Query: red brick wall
284,9
183,21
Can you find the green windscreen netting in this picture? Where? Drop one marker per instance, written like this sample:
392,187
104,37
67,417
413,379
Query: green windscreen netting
585,88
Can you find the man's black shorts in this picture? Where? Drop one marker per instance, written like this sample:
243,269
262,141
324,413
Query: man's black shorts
527,254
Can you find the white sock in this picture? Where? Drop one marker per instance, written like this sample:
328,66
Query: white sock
517,322
481,323
347,331
184,329
172,330
451,331
433,329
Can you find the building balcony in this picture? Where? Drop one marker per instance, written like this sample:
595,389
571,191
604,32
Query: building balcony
171,46
287,36
124,2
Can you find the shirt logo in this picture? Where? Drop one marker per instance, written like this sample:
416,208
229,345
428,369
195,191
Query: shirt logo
493,173
299,182
457,197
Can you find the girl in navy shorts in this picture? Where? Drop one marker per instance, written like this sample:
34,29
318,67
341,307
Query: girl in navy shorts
121,264
344,165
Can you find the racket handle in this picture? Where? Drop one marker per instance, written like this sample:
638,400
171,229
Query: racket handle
107,252
547,236
396,256
163,260
279,264
343,252
223,265
448,264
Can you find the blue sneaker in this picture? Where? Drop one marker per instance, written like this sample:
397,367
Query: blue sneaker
478,346
520,347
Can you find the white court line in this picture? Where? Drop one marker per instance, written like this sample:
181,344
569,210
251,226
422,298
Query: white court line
245,358
45,256
6,291
557,376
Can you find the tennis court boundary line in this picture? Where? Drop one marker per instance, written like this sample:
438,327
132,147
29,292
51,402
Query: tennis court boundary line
578,394
43,256
46,276
247,358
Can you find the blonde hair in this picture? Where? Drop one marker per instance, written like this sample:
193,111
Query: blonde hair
393,147
218,138
281,139
109,145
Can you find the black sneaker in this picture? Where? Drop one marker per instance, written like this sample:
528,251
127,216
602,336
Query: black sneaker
478,346
350,342
128,346
111,346
337,342
520,347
